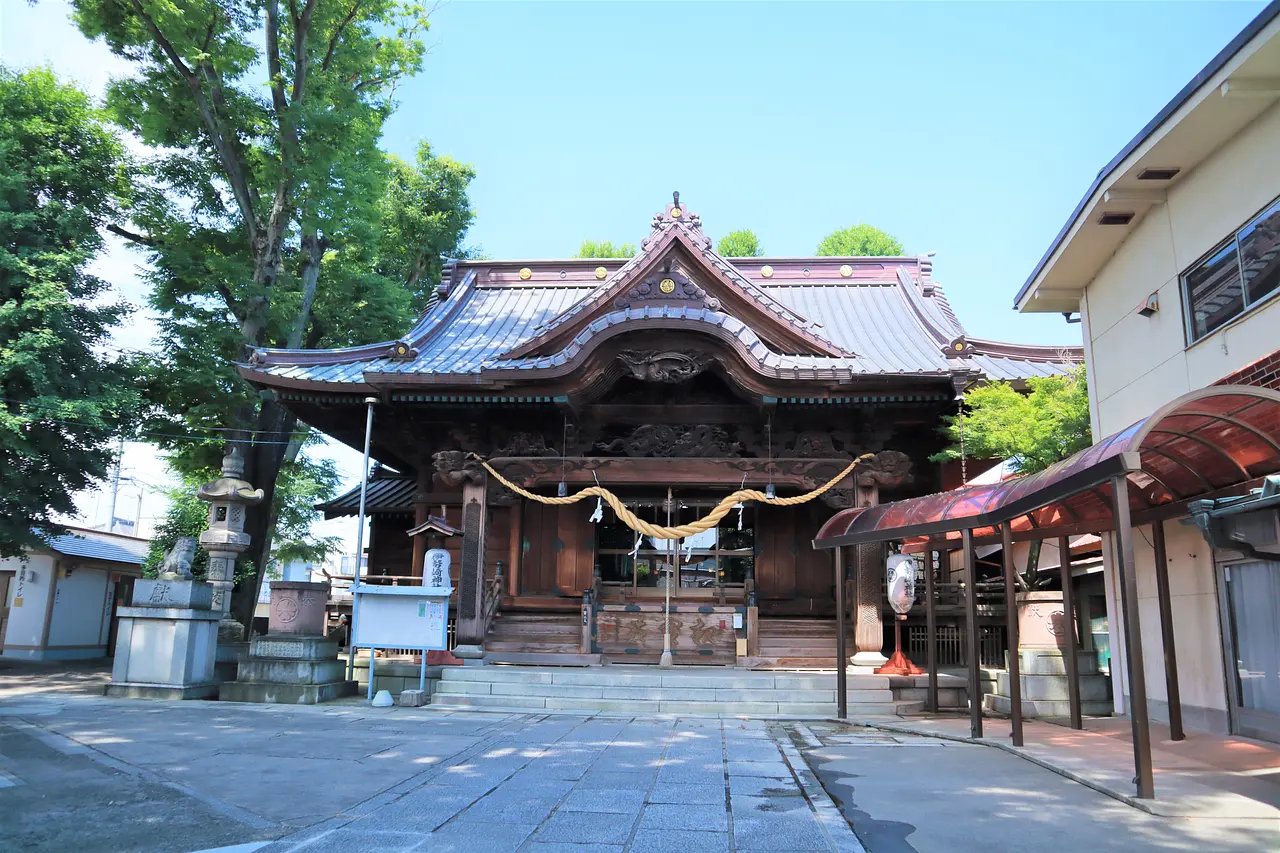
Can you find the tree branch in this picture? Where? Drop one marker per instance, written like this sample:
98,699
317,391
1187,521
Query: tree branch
132,236
337,34
231,163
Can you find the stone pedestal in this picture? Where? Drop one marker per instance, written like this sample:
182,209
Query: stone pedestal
294,664
868,628
166,641
289,669
1042,631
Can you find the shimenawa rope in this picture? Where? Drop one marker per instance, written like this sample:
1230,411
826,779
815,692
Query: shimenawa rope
678,531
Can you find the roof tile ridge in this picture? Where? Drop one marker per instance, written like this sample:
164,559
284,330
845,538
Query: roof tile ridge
907,288
262,357
1056,353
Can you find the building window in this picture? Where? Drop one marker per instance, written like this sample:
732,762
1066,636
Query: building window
1235,276
721,557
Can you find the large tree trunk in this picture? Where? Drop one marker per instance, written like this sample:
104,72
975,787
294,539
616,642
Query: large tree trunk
262,466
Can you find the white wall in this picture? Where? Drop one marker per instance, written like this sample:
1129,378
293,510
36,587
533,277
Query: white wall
1137,364
27,620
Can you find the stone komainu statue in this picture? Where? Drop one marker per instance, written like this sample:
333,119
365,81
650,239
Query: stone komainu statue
177,563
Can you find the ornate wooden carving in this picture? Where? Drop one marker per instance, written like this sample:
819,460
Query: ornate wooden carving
453,468
524,444
888,469
664,440
665,367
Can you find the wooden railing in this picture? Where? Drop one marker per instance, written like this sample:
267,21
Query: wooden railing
491,600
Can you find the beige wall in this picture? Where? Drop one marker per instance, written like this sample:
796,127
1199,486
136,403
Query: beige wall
1137,363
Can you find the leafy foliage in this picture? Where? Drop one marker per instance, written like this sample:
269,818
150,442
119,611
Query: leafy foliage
1033,430
742,243
860,240
268,214
301,485
62,175
605,249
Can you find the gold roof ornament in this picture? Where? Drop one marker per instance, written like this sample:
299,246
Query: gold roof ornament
525,273
766,271
601,272
845,270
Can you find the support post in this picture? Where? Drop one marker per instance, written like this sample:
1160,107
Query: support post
360,519
1132,638
931,629
1171,687
842,673
470,624
420,513
1011,623
1072,658
971,626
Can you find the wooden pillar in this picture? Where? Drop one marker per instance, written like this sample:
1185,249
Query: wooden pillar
1071,655
516,547
868,580
1011,626
842,662
420,513
971,626
470,625
1172,690
1128,577
931,629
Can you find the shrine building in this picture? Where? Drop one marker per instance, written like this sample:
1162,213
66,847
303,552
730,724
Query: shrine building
673,378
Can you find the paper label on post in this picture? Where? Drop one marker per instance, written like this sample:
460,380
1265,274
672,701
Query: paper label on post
422,609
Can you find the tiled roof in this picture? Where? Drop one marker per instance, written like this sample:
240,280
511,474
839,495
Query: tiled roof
95,545
384,494
886,315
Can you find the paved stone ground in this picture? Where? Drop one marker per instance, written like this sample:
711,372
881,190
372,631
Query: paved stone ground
89,774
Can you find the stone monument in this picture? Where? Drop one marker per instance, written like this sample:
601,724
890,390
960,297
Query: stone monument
1042,640
295,663
166,639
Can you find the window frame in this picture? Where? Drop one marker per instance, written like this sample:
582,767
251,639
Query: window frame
1188,321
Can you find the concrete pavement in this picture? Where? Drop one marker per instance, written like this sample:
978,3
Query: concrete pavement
911,794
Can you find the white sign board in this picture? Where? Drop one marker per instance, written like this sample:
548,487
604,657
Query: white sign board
401,617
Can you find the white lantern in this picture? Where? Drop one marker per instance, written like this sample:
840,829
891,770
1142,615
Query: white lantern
436,569
901,574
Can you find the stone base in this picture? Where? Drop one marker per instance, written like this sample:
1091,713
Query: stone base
471,655
870,659
1046,707
227,657
289,669
129,690
270,693
1044,686
414,698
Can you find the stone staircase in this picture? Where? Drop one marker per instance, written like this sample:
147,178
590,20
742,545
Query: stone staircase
649,690
537,639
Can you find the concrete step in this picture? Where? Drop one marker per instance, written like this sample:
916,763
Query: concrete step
655,677
540,658
669,706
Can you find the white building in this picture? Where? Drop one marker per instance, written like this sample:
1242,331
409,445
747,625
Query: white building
1172,260
60,601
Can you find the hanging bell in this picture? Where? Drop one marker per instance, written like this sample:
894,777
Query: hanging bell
770,491
562,490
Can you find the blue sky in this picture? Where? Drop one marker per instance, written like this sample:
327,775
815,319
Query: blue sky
969,129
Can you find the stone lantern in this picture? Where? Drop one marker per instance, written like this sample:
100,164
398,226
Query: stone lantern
229,496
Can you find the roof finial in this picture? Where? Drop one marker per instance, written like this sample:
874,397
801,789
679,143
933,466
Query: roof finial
675,198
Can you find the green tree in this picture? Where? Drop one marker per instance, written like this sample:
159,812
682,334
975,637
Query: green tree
1032,430
605,249
300,486
742,243
860,240
62,176
261,211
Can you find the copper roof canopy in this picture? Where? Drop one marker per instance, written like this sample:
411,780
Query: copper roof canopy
1204,443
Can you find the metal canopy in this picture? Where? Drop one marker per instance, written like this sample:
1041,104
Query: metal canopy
1200,444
